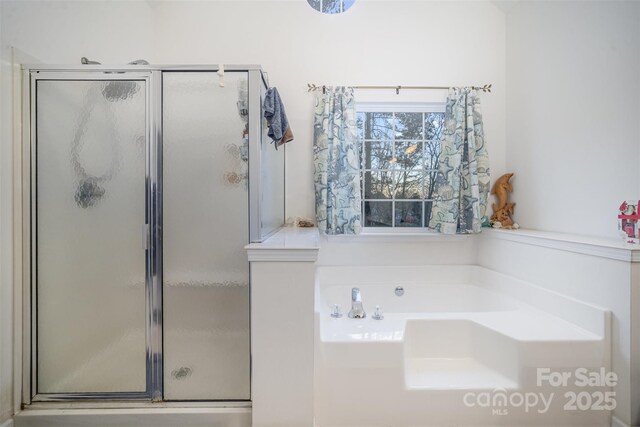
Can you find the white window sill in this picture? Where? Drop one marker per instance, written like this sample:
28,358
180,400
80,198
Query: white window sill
397,235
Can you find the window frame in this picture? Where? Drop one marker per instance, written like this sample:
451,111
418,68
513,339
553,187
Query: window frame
394,107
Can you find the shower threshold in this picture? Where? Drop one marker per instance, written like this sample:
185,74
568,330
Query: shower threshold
130,414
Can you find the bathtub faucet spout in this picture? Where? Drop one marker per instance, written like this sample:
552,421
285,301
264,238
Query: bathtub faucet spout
356,312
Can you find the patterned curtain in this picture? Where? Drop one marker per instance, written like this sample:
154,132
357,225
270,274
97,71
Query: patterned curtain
462,183
336,162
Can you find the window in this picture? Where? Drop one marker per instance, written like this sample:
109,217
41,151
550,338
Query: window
400,147
331,6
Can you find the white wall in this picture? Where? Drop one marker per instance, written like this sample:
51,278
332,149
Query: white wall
112,32
396,250
572,112
375,42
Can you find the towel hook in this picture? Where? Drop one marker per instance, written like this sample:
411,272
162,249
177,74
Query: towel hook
398,90
221,75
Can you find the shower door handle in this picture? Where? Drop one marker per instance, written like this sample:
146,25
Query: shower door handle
145,236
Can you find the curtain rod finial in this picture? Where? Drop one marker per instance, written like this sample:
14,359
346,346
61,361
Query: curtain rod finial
312,88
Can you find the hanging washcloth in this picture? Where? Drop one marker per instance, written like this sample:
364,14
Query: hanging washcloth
279,130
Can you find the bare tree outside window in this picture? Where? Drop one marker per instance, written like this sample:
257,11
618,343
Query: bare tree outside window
400,152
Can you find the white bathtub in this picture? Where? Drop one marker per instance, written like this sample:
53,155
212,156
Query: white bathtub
456,332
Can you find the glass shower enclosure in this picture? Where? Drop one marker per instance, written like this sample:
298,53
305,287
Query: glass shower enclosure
145,184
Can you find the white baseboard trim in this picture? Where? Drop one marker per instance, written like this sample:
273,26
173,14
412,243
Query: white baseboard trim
8,423
615,422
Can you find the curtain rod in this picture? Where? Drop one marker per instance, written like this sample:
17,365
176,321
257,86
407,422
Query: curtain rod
313,87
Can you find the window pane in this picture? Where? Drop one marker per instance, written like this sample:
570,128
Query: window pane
377,214
429,183
400,155
408,214
346,4
433,125
431,154
377,155
408,126
408,155
427,212
378,185
360,125
315,4
378,126
409,184
331,6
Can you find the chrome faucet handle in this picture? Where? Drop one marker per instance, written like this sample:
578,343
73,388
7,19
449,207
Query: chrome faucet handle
336,313
377,314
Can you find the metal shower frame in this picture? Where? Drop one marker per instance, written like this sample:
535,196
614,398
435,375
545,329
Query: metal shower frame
152,76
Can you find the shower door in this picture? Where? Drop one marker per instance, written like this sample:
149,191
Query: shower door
93,261
139,208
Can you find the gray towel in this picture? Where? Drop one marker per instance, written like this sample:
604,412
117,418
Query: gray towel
279,130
